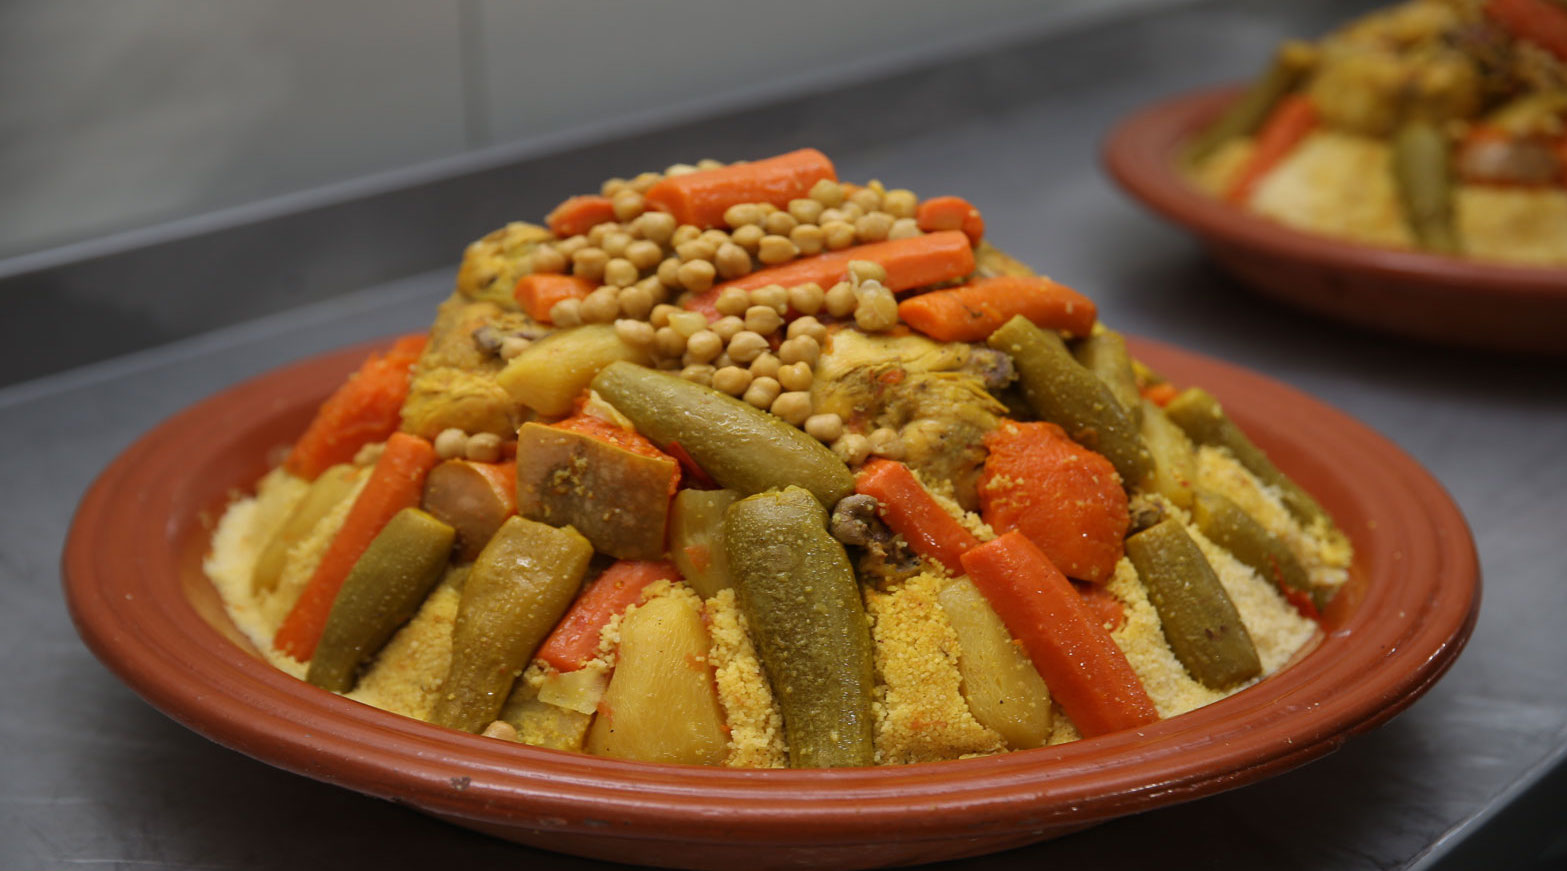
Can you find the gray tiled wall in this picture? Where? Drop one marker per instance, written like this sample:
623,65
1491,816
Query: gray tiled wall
116,114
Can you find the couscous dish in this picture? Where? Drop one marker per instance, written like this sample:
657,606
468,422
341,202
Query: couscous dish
742,465
1434,125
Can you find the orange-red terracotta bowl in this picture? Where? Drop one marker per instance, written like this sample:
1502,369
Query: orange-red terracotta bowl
1426,296
135,587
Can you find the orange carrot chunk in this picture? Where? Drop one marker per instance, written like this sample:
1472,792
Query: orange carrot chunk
1160,394
538,293
575,639
396,482
973,311
1537,21
950,213
1293,119
918,261
1065,498
367,408
580,214
701,198
909,510
1087,673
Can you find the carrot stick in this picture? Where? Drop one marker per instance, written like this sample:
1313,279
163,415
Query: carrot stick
909,509
537,293
580,214
575,639
1537,21
396,482
365,409
701,198
1160,394
1067,499
951,213
1103,604
1086,672
973,311
1289,124
918,261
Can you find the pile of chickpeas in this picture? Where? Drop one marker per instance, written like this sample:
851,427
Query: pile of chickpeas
643,258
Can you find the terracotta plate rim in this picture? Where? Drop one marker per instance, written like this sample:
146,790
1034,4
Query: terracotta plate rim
143,525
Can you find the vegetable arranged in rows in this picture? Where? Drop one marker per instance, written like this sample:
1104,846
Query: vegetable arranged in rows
742,465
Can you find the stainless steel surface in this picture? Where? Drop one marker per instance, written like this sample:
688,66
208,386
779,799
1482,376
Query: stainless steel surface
93,776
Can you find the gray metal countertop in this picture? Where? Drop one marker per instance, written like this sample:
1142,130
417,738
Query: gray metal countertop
94,776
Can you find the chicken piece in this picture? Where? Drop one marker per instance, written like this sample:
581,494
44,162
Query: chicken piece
933,394
466,335
992,262
447,396
491,266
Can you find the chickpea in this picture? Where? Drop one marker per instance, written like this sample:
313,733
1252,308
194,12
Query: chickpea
732,261
571,245
627,205
701,373
696,249
806,211
716,236
601,306
703,346
852,448
697,275
800,349
746,346
733,301
500,730
741,214
796,376
779,223
731,380
669,272
867,198
827,192
656,227
825,428
837,235
613,186
748,237
620,272
566,313
643,254
597,232
829,215
841,300
765,365
636,302
451,442
616,242
763,319
683,234
900,203
661,313
861,271
709,163
851,212
547,258
877,311
762,392
794,406
589,263
687,323
773,296
483,447
669,343
636,333
809,238
885,442
511,346
645,180
727,327
656,290
904,228
874,227
776,249
808,326
675,169
807,299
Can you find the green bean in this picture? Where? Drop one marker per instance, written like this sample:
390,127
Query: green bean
1421,168
1200,622
742,447
515,593
1104,354
1064,393
798,592
1174,458
1229,526
382,592
1289,67
1198,413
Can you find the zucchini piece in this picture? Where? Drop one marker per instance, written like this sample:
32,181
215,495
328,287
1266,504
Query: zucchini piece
1003,689
326,491
1174,458
696,539
1228,525
1104,354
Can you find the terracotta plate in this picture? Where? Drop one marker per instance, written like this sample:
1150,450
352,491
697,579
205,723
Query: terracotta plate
1426,296
133,580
